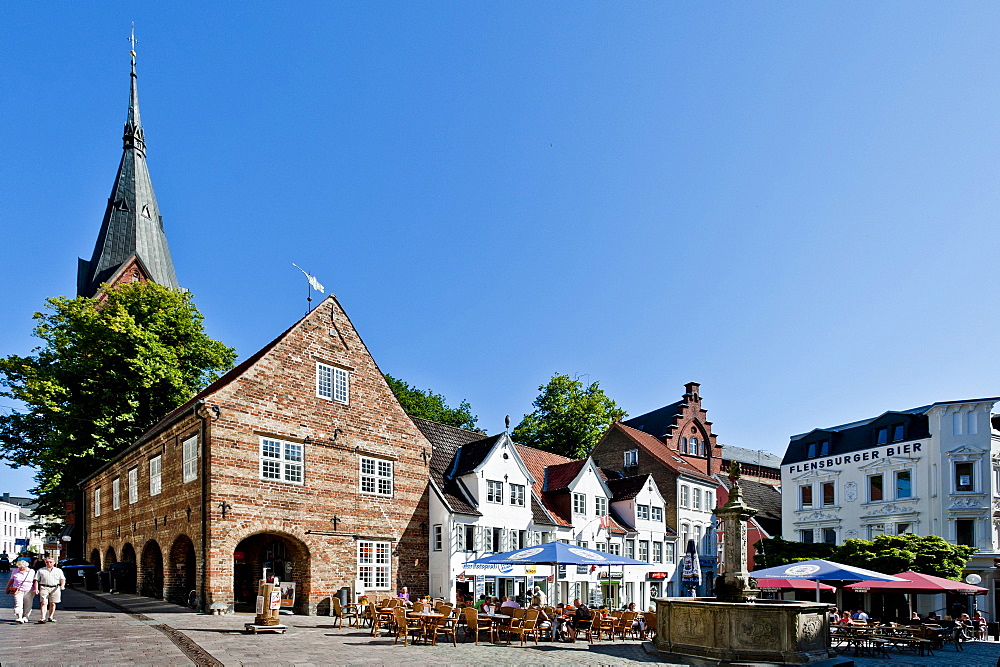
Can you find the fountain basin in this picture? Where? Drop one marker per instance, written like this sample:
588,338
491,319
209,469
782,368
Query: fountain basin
775,631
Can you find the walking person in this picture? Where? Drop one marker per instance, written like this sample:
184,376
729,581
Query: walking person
21,584
50,582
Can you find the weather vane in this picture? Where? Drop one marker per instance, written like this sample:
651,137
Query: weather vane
133,41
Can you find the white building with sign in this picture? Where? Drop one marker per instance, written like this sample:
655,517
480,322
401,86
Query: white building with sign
932,470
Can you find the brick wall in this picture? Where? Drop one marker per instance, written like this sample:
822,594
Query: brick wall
609,453
275,397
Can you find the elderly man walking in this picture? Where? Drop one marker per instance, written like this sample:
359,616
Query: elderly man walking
50,582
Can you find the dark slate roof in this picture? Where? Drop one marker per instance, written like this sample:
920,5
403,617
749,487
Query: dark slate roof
859,435
626,488
447,442
132,225
471,455
657,422
751,456
539,514
762,497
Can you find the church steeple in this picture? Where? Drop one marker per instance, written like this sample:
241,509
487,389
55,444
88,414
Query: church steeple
131,244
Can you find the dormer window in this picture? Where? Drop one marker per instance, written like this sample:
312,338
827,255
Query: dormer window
631,458
897,432
811,453
684,446
824,448
882,436
693,447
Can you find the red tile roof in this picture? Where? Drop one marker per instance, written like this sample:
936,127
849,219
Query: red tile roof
661,452
536,461
558,477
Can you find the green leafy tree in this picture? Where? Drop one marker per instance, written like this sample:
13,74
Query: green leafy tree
775,551
428,405
106,372
928,554
889,554
569,417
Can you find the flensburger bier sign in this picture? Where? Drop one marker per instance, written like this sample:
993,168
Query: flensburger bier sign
855,457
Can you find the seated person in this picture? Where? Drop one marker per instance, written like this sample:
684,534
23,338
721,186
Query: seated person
845,618
489,606
509,601
582,617
915,618
404,593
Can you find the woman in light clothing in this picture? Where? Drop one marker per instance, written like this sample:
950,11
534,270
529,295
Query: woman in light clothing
22,580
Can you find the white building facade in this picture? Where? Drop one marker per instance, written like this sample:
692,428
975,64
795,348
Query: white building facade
933,470
18,536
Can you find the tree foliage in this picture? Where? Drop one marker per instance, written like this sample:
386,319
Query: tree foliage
777,551
569,417
888,554
428,405
105,373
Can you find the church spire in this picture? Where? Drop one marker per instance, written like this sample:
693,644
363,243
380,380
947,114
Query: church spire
131,244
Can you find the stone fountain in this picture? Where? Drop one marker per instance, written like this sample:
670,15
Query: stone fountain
734,626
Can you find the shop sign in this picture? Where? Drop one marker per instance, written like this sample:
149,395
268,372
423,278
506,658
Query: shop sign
656,576
480,585
610,575
275,599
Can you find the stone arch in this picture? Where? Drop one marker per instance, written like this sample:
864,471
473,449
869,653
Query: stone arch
95,558
180,577
126,583
109,557
151,570
284,554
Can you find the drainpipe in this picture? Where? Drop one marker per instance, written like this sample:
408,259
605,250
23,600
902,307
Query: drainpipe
203,587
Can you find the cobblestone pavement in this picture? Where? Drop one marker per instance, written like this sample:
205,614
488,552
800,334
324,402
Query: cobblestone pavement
86,632
94,629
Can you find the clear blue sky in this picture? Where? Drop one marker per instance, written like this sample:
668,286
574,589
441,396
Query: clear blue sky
794,204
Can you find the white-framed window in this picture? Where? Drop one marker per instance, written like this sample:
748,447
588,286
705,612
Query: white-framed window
189,469
656,514
615,548
693,448
965,479
642,512
876,529
631,458
375,564
807,536
600,505
708,501
517,495
805,496
697,499
154,476
469,537
494,492
685,495
97,502
281,461
496,539
376,476
116,493
437,538
579,503
904,484
643,551
657,552
133,485
669,551
332,383
630,548
828,492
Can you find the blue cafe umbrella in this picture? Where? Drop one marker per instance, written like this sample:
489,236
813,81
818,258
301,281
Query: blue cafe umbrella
819,569
556,553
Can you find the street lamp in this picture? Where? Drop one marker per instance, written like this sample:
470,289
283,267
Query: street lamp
974,579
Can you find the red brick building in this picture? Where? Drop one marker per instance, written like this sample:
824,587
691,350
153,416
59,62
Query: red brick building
299,460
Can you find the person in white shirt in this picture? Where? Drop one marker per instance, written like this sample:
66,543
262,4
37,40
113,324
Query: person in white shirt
49,584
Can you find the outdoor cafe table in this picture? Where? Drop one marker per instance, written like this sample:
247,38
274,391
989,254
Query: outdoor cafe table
499,621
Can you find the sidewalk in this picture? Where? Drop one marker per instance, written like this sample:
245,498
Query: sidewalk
99,628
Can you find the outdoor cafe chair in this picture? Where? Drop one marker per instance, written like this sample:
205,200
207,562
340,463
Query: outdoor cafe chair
526,624
406,627
383,619
445,625
649,618
586,627
604,626
418,607
627,624
475,626
343,611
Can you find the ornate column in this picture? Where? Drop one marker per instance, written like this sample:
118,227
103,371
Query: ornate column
735,583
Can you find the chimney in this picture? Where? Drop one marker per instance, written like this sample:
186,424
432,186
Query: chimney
691,392
6,497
